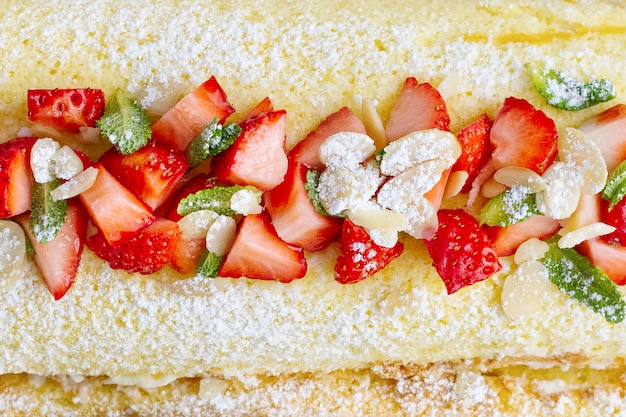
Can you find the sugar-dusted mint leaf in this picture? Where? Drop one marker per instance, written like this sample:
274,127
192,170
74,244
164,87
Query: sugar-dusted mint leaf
216,198
577,277
511,206
209,264
567,93
213,139
312,181
615,188
125,123
47,215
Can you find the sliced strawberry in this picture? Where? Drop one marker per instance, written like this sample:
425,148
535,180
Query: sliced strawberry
257,157
295,219
609,258
186,254
419,107
66,109
475,149
264,106
608,131
113,209
435,194
615,217
145,253
16,177
359,256
58,259
259,253
179,126
461,251
523,136
307,150
152,173
506,240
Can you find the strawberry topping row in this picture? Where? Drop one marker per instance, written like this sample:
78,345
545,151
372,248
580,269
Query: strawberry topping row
219,199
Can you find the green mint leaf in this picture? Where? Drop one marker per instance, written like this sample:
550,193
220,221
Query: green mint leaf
216,198
514,205
125,123
615,188
312,181
47,215
213,139
566,93
379,156
577,277
209,264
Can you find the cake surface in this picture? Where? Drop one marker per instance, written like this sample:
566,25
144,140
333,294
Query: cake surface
244,347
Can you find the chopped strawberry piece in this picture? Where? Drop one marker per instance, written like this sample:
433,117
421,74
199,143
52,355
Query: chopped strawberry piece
58,259
295,219
435,194
609,258
461,251
113,209
199,182
506,240
359,256
145,253
257,157
475,149
259,253
66,109
615,217
179,126
152,173
16,177
307,150
186,254
264,106
523,136
419,107
608,131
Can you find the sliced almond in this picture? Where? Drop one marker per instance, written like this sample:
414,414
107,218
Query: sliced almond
378,218
341,188
373,123
523,290
513,175
560,197
195,225
246,202
347,149
65,163
455,184
590,231
12,245
76,185
41,159
491,188
418,147
221,235
577,149
386,238
531,250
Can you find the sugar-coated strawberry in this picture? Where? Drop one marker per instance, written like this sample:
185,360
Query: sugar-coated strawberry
259,253
307,150
418,107
507,239
359,256
295,219
608,131
461,250
66,109
58,260
113,209
198,182
152,173
615,217
257,157
609,258
523,136
146,253
475,148
16,177
182,123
